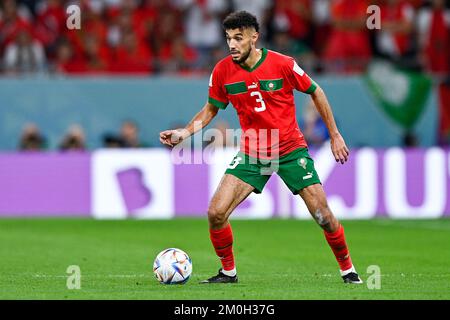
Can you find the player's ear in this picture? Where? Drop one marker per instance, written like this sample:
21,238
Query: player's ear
255,37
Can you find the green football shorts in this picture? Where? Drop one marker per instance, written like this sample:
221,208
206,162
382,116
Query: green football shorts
296,169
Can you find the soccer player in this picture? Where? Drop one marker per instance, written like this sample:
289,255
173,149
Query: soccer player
259,83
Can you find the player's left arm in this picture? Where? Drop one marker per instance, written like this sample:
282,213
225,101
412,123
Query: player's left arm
338,146
299,80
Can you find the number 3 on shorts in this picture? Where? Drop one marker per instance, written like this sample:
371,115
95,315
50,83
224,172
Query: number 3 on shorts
235,163
260,100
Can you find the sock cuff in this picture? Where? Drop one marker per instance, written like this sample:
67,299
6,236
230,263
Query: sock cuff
232,272
346,272
220,231
221,237
336,234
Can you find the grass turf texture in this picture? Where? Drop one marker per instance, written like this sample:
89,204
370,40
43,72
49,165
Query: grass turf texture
276,259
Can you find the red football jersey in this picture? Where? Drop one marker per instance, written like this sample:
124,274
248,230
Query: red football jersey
264,100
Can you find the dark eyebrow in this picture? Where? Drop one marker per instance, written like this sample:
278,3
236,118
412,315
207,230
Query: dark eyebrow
237,34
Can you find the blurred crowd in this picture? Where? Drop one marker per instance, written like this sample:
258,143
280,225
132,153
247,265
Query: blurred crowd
74,139
185,37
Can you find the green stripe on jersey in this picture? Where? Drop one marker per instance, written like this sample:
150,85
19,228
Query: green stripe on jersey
217,103
312,87
236,88
271,85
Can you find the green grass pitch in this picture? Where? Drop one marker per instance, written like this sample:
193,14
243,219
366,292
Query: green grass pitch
276,259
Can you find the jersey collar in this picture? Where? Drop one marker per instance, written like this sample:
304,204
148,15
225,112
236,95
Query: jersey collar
261,60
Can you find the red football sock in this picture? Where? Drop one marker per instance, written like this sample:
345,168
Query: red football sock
222,241
336,240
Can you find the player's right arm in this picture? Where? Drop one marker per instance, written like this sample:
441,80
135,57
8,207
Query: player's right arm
217,99
200,120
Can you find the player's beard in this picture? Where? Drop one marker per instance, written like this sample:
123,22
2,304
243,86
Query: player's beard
244,56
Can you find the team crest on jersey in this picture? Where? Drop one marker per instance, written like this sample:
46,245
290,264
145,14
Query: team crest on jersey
302,162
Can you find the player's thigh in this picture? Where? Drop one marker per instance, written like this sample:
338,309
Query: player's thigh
229,194
297,170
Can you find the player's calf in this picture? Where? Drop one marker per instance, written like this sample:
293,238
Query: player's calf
325,219
315,200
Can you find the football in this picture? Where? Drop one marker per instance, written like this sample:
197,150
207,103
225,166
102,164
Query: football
172,266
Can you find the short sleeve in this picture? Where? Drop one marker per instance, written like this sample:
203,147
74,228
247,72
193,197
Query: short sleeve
217,95
298,78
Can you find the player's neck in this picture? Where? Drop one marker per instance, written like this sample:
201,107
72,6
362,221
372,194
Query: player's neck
253,58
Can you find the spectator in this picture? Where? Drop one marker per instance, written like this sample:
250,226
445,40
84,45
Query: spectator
283,43
348,48
394,39
74,139
12,21
410,140
203,26
32,139
315,130
259,8
65,61
129,134
131,56
291,26
50,23
444,113
113,141
96,58
295,17
128,137
177,57
93,30
185,36
433,26
321,28
121,20
166,31
146,18
24,55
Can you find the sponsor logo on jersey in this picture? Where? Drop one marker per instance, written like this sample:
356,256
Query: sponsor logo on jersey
308,176
254,85
298,69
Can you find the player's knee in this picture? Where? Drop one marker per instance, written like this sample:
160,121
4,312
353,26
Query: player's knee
216,217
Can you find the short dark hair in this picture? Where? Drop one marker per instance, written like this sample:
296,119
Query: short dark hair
239,20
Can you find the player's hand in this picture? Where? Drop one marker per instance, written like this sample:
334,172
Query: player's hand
173,137
339,149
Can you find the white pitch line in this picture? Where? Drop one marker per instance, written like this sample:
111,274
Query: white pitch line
93,276
444,275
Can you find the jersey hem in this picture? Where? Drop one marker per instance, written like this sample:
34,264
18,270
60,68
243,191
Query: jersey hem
283,154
